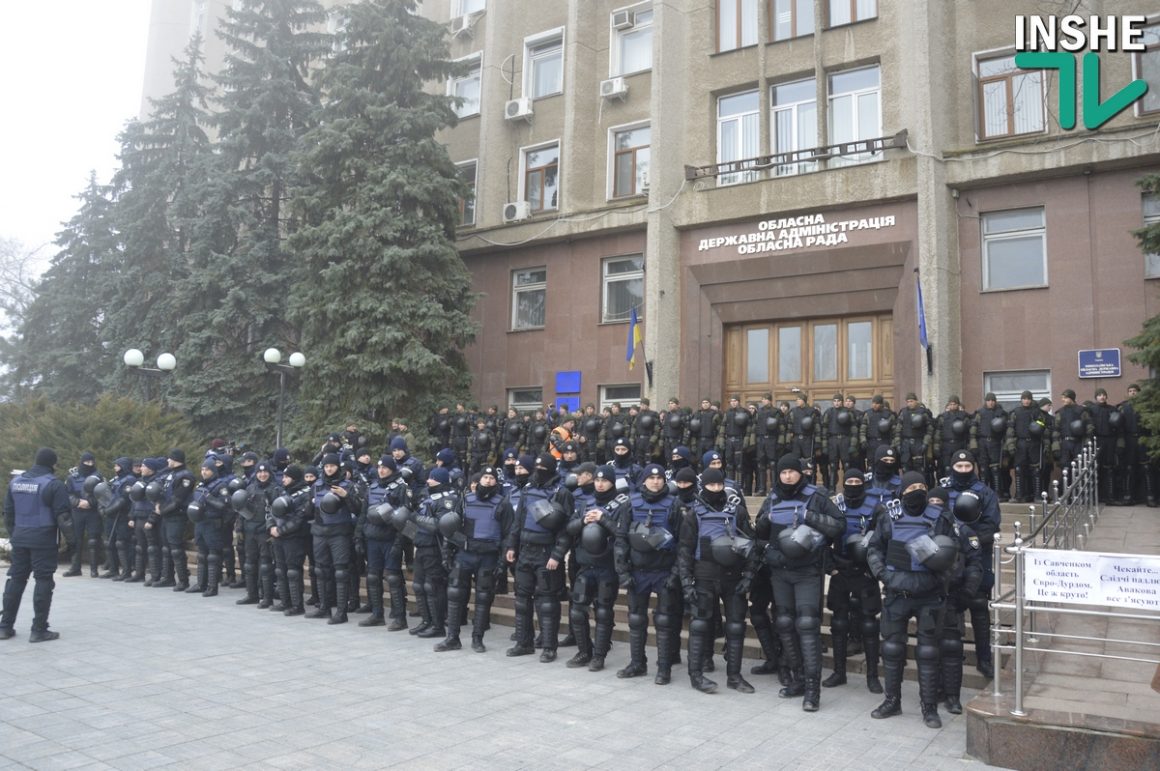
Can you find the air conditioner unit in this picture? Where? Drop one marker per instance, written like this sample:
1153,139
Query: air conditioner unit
516,211
623,20
518,109
461,26
613,88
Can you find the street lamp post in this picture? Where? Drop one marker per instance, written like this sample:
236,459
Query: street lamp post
273,359
166,363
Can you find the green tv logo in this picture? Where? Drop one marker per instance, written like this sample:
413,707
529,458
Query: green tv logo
1053,43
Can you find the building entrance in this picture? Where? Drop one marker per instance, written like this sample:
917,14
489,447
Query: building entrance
821,357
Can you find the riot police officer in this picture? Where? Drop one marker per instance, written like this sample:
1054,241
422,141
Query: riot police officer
206,508
114,504
622,463
1108,424
146,535
953,431
876,428
615,427
588,435
703,427
1133,466
537,546
178,485
804,429
914,435
766,436
288,522
736,434
335,505
35,504
883,482
839,440
593,528
474,539
646,564
1072,428
513,430
1026,432
962,588
798,521
674,424
645,434
86,521
384,548
990,431
911,552
716,562
430,575
854,595
251,504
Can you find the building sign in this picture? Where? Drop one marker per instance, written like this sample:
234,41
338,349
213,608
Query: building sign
803,232
1099,362
1092,578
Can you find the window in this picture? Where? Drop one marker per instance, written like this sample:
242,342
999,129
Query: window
737,130
623,281
466,87
541,177
1151,217
1014,249
529,292
789,354
736,24
757,355
467,204
625,395
544,65
630,156
1007,386
1146,65
526,399
825,352
792,18
794,122
465,7
859,350
632,46
855,110
1010,99
847,11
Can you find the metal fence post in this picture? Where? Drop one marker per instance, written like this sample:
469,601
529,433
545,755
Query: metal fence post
1018,711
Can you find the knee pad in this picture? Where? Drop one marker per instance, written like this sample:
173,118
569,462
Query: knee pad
926,653
894,650
456,593
92,543
483,596
784,623
839,624
604,614
394,578
547,607
294,574
662,620
700,626
177,554
150,550
214,559
637,621
417,588
760,621
978,603
735,629
428,587
808,624
870,626
578,614
279,573
523,605
341,574
951,648
250,567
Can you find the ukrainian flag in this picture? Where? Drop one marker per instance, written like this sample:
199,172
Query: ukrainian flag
634,339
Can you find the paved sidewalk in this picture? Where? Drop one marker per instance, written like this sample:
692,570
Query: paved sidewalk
145,678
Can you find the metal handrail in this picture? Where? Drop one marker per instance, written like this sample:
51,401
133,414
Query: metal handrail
1062,522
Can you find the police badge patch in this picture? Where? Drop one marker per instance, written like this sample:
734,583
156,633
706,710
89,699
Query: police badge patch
973,541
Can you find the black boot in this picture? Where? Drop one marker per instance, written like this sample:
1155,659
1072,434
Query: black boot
480,623
437,604
454,616
341,597
322,587
424,609
41,604
733,647
892,705
1021,485
251,597
1149,475
638,662
94,558
981,626
292,591
214,576
930,717
202,577
266,585
180,570
698,641
375,594
838,637
138,574
811,648
582,631
603,640
812,695
871,642
763,630
549,630
398,591
523,628
75,568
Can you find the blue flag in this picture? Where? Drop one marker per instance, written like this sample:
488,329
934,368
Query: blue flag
634,339
921,315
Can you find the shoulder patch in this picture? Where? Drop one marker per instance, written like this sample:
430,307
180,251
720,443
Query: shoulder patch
974,542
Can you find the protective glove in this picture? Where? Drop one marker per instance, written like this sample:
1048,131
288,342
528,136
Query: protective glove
743,586
626,581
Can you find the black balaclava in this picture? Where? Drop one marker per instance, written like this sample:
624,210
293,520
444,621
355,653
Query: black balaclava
787,462
686,494
854,494
716,499
484,492
914,502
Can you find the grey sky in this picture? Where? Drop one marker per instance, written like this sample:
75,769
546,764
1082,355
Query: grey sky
73,76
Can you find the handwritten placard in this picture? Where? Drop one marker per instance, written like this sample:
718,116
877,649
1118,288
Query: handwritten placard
1092,578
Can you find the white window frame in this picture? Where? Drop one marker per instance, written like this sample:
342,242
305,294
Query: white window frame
1010,397
463,7
525,406
625,402
518,289
610,193
734,178
615,278
740,7
831,97
980,104
463,222
535,41
802,167
1151,29
794,19
559,174
615,63
476,74
854,17
986,239
1151,261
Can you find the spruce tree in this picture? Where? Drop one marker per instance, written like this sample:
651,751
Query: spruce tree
1147,343
384,303
232,302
